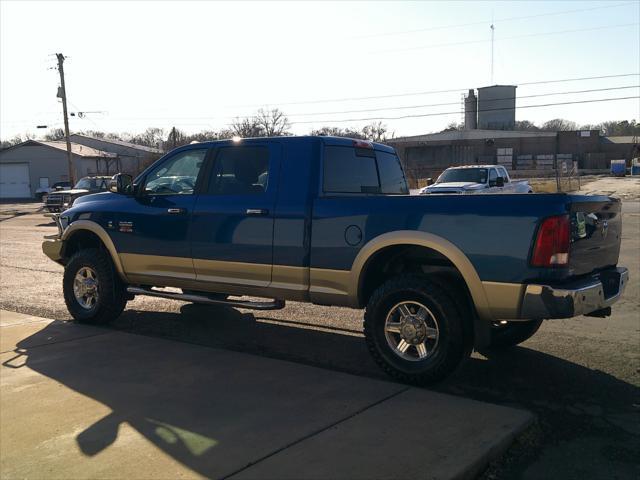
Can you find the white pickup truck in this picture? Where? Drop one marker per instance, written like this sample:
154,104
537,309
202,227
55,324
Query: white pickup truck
476,179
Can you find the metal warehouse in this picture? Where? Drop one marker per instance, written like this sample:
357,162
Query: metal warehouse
38,164
33,164
526,153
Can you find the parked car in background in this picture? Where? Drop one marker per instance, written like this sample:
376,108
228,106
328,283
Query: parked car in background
60,200
330,221
42,192
477,179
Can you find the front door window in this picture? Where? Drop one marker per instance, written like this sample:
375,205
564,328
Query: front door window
177,175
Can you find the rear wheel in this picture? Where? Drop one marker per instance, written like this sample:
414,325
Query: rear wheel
415,331
510,334
92,290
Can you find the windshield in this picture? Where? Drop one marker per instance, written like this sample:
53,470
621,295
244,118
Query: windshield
475,175
90,183
84,183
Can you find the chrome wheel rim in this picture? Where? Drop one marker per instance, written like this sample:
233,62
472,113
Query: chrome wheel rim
86,288
412,331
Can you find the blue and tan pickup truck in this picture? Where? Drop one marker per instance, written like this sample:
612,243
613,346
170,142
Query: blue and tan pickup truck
330,221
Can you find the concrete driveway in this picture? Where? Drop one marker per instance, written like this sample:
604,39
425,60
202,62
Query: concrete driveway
86,402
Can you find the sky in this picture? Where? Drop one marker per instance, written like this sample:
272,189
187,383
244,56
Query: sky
197,65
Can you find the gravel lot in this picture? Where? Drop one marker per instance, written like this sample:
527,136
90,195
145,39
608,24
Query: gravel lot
581,377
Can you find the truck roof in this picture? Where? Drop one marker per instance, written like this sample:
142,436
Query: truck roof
473,166
327,140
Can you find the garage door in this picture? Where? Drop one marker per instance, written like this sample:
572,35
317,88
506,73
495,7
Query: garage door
14,180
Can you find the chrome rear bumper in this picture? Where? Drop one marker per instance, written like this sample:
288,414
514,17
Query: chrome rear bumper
579,298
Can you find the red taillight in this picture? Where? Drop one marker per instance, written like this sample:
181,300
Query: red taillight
362,144
552,242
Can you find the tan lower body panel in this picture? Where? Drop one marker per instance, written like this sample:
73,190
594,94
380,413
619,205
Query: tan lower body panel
330,287
239,278
319,285
238,273
157,266
504,299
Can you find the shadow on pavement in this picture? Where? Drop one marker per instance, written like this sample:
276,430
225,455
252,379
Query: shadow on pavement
571,401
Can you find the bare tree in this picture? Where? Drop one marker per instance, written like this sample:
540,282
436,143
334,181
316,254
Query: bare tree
338,132
151,137
247,127
453,126
12,141
54,134
525,125
273,122
93,133
559,125
623,127
376,132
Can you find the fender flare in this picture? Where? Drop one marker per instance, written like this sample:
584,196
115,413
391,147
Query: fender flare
428,240
101,233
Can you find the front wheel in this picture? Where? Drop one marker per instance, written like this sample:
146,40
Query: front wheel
92,290
415,331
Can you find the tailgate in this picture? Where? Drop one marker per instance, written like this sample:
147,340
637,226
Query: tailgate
596,228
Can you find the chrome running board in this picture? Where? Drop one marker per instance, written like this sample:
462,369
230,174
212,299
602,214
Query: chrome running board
189,297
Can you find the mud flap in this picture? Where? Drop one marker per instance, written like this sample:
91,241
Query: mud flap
481,333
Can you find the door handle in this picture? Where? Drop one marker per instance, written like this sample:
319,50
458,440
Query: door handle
176,211
257,211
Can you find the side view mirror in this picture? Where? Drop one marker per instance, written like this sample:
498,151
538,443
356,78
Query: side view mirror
500,182
121,183
429,181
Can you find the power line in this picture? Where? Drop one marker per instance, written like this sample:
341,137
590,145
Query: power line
431,92
538,34
564,80
406,107
508,19
458,112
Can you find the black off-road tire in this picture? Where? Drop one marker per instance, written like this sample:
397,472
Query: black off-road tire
512,334
112,297
455,339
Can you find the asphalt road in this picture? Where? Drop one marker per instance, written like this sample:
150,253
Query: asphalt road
581,377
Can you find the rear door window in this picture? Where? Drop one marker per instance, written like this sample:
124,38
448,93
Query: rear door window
493,175
347,172
359,170
392,179
240,170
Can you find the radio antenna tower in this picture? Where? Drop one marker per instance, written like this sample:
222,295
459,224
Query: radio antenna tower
492,35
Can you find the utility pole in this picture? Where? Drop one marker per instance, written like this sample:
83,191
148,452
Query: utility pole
62,93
